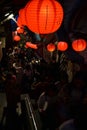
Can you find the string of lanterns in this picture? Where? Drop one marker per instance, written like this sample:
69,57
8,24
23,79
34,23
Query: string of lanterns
45,17
61,46
77,45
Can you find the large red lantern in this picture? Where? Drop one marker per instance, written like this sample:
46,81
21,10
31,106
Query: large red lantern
44,16
51,47
79,44
62,46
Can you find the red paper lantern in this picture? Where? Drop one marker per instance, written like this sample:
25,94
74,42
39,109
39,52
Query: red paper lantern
16,38
79,44
31,45
51,47
62,46
44,16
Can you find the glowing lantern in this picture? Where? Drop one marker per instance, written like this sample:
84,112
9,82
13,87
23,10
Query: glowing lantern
51,47
79,44
20,30
31,45
16,38
62,46
44,16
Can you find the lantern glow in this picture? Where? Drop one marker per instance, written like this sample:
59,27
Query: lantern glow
20,30
79,45
31,45
44,16
51,47
26,46
16,38
62,46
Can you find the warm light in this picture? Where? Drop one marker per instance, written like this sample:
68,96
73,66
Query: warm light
31,45
20,30
26,46
79,45
62,46
51,47
44,16
16,38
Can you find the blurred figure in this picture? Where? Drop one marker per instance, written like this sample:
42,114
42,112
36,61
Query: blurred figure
77,93
81,118
63,97
10,89
67,125
78,123
47,107
27,79
13,97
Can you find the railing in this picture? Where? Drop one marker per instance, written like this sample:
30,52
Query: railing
30,118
